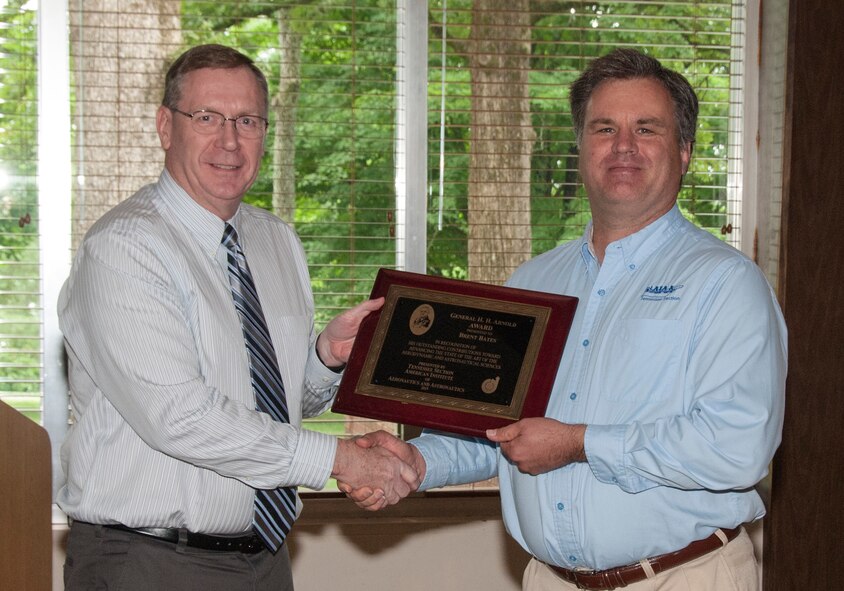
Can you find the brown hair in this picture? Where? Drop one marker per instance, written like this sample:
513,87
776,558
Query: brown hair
626,64
208,56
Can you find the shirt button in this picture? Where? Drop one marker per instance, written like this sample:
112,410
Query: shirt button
602,292
560,506
585,342
631,266
572,557
573,395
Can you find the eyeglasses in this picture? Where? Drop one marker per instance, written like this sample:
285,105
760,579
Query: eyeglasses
210,122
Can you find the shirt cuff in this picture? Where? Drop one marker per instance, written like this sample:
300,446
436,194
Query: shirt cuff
604,447
318,373
314,458
436,473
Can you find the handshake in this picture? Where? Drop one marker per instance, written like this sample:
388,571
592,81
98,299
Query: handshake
377,469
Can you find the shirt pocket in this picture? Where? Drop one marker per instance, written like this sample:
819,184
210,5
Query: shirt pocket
643,362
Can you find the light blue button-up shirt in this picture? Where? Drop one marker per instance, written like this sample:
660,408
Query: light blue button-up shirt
676,361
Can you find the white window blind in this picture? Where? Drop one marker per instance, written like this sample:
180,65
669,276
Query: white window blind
21,344
501,165
503,162
329,167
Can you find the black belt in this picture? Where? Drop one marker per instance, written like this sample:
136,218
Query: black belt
246,544
625,575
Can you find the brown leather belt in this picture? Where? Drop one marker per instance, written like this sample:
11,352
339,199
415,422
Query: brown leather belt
622,576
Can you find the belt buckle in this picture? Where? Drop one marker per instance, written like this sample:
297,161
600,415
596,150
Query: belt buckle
581,572
606,579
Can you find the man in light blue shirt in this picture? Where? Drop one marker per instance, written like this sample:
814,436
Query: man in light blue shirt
668,402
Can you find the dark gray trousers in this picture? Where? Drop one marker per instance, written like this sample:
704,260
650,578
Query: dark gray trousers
100,558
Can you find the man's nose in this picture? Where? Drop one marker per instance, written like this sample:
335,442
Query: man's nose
227,135
625,142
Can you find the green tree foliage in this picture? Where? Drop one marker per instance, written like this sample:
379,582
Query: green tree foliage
693,38
345,203
20,343
345,200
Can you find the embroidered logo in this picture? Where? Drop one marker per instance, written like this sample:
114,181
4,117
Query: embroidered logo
659,293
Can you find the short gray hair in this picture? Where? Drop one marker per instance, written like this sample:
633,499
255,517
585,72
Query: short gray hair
627,64
208,56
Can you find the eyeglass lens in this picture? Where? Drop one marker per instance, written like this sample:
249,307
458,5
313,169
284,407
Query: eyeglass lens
208,122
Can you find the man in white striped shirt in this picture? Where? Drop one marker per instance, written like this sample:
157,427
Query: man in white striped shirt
166,449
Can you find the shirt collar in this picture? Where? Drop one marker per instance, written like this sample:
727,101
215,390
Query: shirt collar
637,247
204,226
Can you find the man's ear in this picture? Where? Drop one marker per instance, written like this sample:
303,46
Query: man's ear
164,125
686,156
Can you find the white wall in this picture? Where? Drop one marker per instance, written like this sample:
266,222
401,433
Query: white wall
456,544
459,546
410,557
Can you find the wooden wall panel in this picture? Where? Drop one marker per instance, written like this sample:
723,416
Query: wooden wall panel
803,531
26,542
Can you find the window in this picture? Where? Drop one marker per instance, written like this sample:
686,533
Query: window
21,345
503,163
430,136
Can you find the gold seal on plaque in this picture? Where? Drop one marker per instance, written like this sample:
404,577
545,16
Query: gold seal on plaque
455,355
490,385
421,320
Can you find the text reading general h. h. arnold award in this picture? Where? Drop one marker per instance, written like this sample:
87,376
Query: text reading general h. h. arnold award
455,355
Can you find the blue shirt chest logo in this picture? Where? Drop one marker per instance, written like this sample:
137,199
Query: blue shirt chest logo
660,293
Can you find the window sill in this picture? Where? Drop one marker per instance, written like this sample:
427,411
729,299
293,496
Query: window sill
421,508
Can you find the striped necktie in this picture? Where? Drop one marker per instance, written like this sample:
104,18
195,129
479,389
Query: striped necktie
275,509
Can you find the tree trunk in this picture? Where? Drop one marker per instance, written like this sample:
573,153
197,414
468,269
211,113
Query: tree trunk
501,139
284,113
120,58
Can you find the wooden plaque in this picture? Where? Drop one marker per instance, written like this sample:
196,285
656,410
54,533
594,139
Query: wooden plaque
455,355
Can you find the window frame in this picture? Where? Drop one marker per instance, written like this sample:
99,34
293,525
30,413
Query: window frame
411,175
54,199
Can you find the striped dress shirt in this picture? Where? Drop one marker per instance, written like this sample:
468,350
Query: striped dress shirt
164,430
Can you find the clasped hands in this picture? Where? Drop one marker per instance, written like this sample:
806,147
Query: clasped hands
378,469
533,445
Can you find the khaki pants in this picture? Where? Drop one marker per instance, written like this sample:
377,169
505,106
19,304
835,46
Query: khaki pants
731,568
